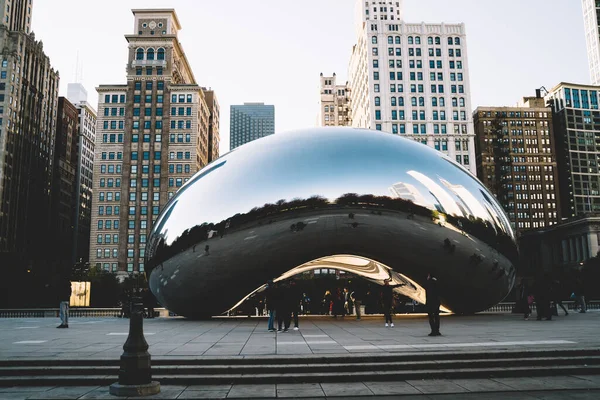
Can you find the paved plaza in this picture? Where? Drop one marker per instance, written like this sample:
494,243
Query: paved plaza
177,338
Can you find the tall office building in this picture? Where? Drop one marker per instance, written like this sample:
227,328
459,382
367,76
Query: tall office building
516,160
214,138
591,22
334,104
151,137
86,137
576,120
64,181
412,80
249,122
28,112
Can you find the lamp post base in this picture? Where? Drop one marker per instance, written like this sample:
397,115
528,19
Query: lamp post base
147,389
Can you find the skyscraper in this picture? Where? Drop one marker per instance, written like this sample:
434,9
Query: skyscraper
412,80
28,110
214,138
591,22
576,120
334,104
86,137
64,182
151,137
516,160
249,122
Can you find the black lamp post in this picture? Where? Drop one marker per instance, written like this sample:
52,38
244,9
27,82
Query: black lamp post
135,375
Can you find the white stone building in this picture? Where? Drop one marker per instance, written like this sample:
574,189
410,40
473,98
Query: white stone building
412,80
591,14
334,102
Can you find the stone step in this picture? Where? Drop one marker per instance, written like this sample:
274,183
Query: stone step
315,359
312,377
310,367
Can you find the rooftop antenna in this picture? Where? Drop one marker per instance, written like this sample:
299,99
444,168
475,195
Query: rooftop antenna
77,68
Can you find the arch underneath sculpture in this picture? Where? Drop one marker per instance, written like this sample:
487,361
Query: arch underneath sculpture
366,268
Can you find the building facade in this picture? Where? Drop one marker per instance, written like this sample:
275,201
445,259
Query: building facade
64,181
214,137
86,138
576,120
334,104
249,122
591,22
151,137
412,80
516,160
28,117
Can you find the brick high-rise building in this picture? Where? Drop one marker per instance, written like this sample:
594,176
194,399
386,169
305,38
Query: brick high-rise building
151,137
334,104
214,137
28,117
516,161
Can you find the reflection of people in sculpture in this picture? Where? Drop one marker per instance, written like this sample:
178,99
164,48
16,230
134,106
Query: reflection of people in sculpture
433,305
206,253
387,300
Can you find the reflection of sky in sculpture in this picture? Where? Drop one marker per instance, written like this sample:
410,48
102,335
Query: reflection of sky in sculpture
313,175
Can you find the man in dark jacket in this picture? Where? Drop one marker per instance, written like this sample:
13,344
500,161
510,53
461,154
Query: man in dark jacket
433,305
64,295
270,300
295,297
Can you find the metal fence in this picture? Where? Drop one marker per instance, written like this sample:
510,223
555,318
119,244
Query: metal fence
162,312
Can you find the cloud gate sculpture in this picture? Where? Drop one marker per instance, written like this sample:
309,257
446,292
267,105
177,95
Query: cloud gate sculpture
371,203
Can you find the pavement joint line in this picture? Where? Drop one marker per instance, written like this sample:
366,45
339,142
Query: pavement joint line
30,342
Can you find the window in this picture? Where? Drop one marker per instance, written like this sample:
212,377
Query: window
150,54
374,39
160,54
139,54
377,101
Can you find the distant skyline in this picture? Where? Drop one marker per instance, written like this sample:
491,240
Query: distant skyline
273,51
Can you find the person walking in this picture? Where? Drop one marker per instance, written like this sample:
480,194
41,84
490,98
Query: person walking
432,296
580,296
356,297
283,308
557,295
327,302
338,303
64,294
387,297
270,300
295,300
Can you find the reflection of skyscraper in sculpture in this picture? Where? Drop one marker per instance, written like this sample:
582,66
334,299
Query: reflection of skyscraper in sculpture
408,192
469,202
446,202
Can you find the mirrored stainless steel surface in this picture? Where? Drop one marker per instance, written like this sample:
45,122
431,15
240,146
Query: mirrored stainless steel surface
367,202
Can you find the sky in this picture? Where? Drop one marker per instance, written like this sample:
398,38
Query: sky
273,51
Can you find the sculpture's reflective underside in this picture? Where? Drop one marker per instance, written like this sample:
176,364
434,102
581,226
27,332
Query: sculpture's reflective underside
370,203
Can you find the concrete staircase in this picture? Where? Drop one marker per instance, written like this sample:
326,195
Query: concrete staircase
309,369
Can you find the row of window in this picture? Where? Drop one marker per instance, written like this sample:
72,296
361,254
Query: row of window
110,168
143,211
435,101
148,98
106,253
112,156
115,98
141,253
107,239
414,88
160,85
417,40
420,115
109,210
159,71
109,196
114,111
108,224
143,197
150,53
145,182
422,129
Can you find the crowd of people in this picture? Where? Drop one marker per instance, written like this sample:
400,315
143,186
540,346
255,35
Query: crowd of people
548,294
284,301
